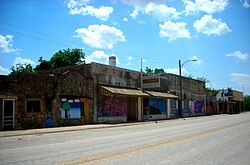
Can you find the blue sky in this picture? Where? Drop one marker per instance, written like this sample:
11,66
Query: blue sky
161,32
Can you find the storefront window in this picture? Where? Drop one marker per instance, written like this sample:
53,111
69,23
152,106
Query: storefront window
157,106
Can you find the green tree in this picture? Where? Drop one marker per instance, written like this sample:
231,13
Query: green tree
159,71
62,58
156,71
21,68
149,71
69,57
211,91
43,64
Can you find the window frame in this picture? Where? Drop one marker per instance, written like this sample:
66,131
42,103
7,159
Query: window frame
26,103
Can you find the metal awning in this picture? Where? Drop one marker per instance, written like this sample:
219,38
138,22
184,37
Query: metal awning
121,91
161,94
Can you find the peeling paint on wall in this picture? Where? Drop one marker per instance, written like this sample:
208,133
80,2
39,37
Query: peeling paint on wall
112,106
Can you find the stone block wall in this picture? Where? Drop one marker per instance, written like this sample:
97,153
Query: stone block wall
114,76
189,85
8,90
34,86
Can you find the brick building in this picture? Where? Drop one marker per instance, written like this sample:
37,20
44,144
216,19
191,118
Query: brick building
91,93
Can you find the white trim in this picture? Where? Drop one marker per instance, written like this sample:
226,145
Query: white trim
12,112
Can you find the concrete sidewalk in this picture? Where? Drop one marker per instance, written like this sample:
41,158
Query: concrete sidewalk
86,127
64,129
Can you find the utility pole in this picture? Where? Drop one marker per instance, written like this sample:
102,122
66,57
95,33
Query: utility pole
180,66
140,99
180,104
141,76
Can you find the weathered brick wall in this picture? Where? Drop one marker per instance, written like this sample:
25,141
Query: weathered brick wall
111,76
189,86
8,90
74,81
237,96
114,76
74,84
8,85
49,88
34,86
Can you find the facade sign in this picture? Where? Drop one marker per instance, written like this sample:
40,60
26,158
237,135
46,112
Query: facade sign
151,81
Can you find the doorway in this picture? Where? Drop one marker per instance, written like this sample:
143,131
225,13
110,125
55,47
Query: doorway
8,114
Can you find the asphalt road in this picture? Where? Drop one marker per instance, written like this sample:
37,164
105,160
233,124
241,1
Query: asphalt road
222,139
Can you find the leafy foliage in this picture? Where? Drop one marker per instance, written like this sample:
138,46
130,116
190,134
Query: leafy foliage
159,71
44,65
211,91
62,58
156,71
149,71
27,68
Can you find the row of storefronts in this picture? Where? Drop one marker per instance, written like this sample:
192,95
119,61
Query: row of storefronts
94,93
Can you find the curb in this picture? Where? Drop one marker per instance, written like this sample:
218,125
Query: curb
63,129
85,127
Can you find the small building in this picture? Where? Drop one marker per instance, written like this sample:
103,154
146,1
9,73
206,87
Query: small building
193,95
229,101
44,100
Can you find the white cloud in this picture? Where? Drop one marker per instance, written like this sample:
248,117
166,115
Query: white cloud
161,12
175,71
129,64
208,6
142,22
130,58
81,7
134,14
125,19
76,3
210,26
141,3
173,31
4,71
239,56
116,24
155,8
20,60
101,13
243,80
100,36
100,57
246,3
6,45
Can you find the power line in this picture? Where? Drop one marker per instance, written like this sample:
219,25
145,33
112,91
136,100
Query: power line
35,37
120,55
32,31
